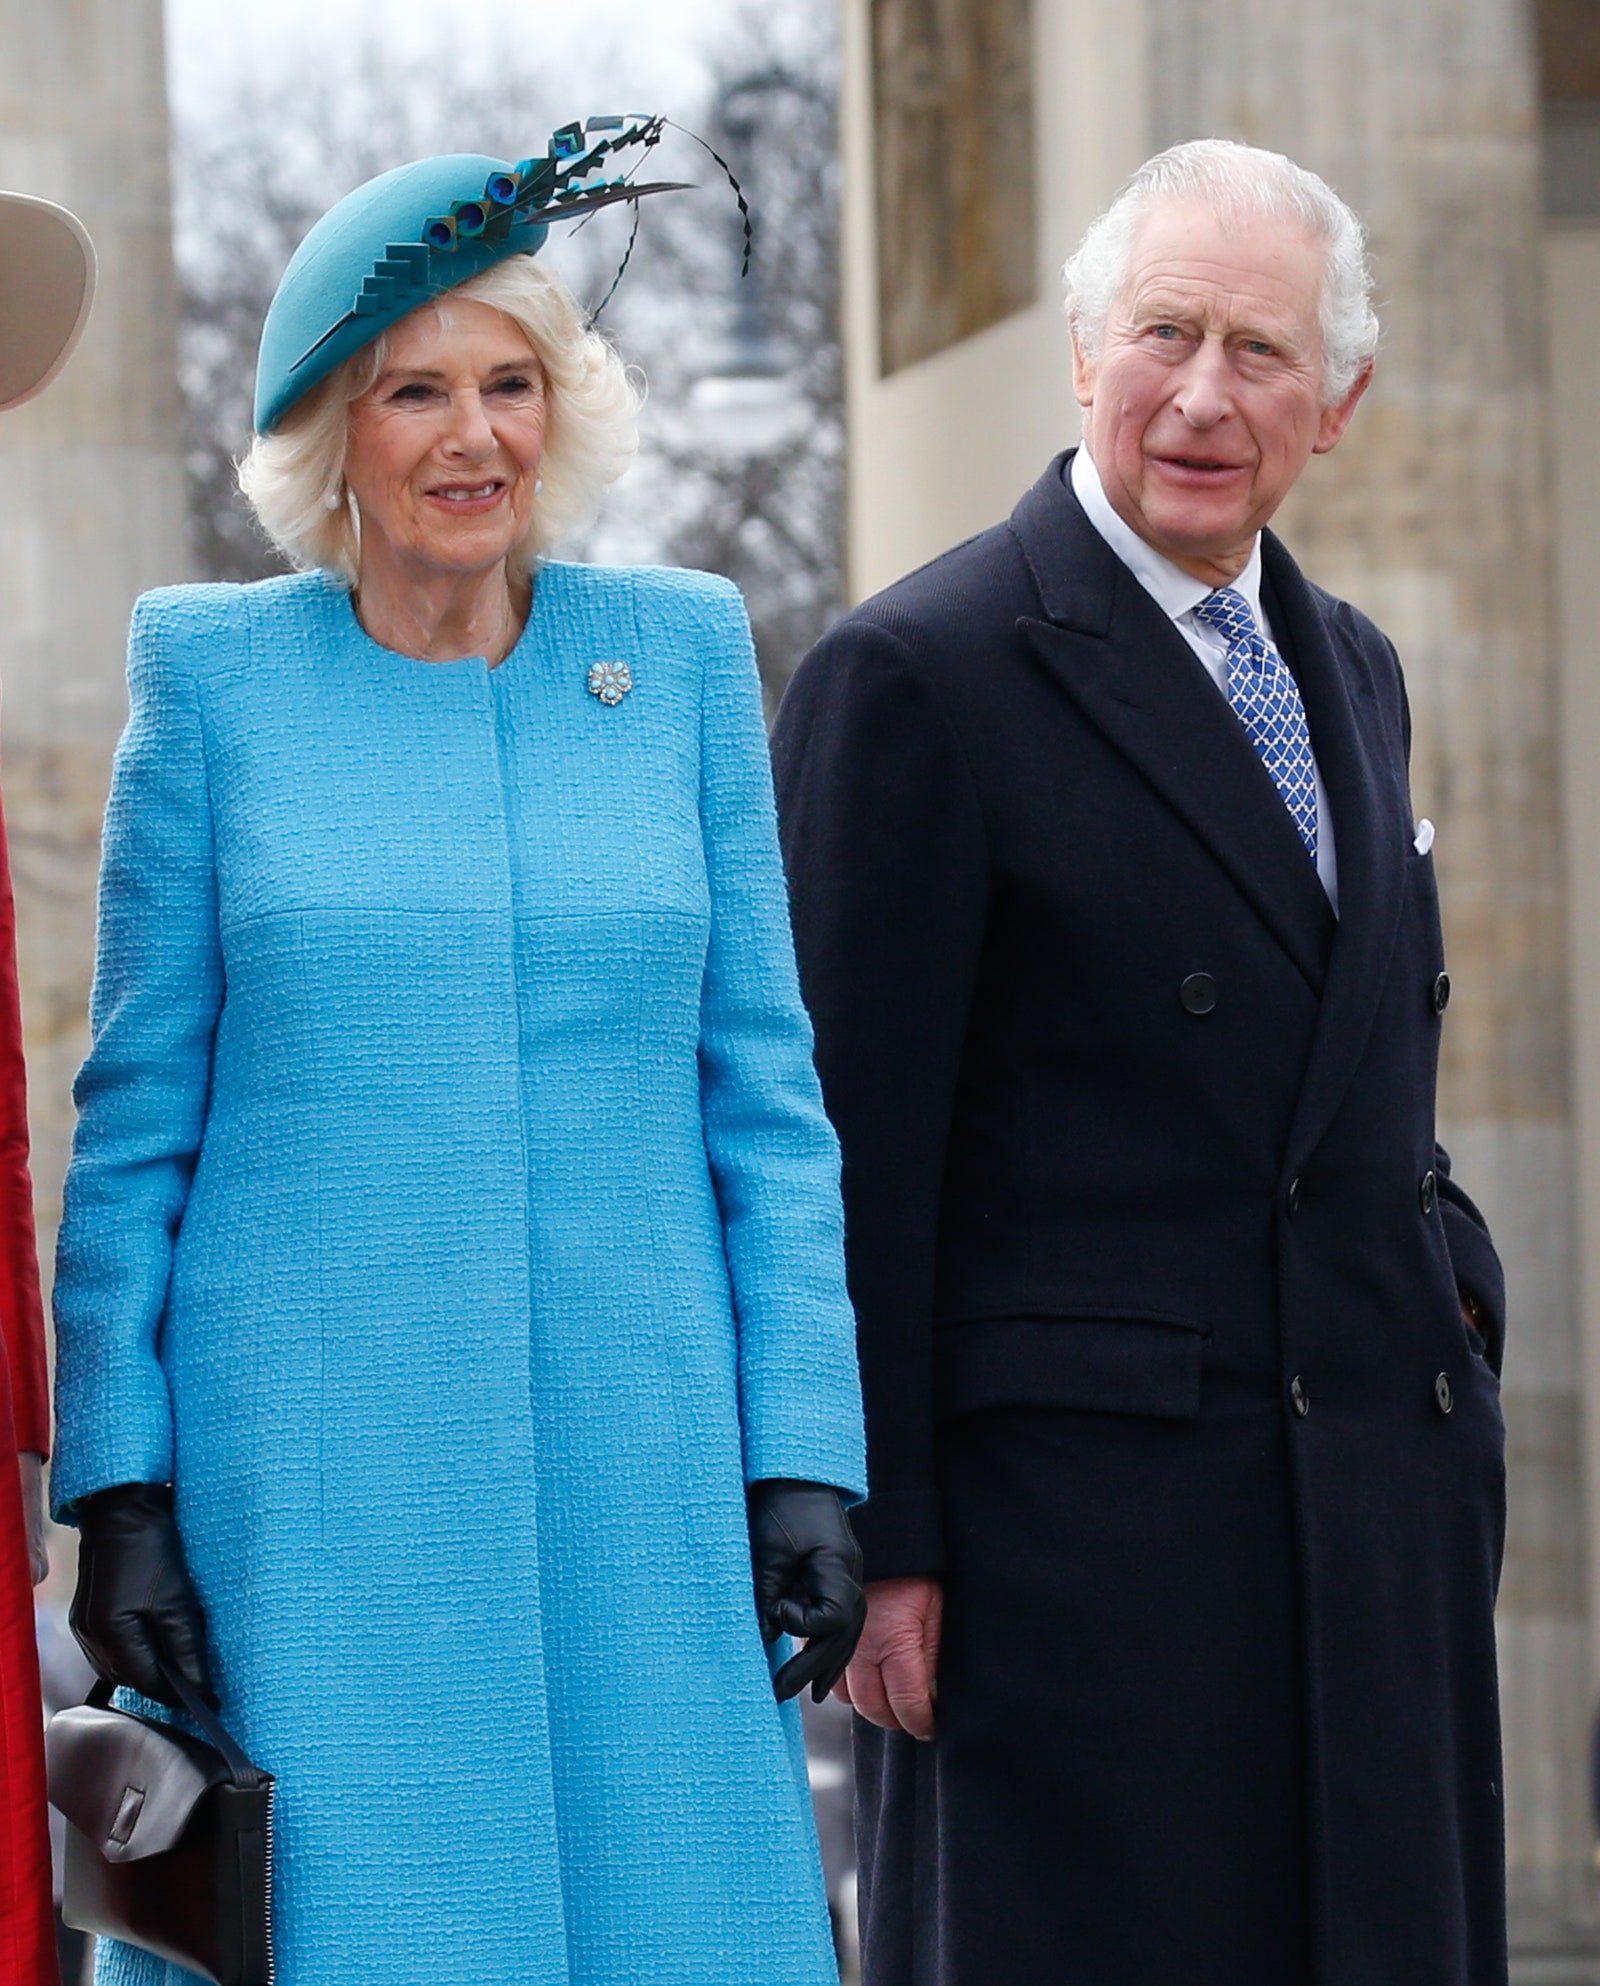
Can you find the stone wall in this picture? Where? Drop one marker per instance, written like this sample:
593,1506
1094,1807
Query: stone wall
953,170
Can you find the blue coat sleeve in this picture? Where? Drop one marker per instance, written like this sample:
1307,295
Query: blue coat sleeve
773,1155
142,1093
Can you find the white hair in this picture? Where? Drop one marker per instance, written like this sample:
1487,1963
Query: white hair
294,480
1237,182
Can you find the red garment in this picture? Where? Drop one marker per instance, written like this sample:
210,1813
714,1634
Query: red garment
27,1923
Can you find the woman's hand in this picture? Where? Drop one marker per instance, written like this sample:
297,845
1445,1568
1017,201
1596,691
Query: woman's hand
31,1469
808,1580
136,1607
893,1680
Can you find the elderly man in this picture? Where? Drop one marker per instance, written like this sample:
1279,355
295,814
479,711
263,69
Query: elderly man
1179,1341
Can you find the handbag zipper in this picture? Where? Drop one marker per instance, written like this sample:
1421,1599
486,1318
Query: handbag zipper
272,1795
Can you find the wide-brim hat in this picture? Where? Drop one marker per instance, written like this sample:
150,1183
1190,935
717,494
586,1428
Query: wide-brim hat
46,287
413,233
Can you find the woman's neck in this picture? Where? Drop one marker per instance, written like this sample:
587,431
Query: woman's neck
442,617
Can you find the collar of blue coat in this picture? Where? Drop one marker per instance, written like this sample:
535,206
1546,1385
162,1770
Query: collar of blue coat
411,234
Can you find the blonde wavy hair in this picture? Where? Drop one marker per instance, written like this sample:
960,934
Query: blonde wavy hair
293,478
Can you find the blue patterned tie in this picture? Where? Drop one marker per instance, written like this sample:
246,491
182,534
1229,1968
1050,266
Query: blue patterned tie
1266,700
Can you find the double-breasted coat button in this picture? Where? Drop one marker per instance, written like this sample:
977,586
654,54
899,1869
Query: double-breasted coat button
1439,993
1291,1199
1444,1396
1299,1396
1198,993
1428,1193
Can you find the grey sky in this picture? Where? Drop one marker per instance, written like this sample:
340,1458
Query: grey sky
208,40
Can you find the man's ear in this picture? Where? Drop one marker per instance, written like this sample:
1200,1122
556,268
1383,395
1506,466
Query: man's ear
1085,371
1336,419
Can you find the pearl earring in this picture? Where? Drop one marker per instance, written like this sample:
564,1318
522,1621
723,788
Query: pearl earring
538,485
333,499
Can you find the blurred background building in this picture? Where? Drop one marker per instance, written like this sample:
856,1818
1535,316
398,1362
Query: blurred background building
92,500
978,136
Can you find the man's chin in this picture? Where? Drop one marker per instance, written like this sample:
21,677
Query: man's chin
1197,532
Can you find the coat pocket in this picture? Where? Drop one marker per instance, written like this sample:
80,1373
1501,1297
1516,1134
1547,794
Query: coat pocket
1095,1363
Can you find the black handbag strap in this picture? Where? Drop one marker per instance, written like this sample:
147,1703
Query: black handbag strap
246,1777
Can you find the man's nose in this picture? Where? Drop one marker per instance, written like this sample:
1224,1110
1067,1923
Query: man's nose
1205,393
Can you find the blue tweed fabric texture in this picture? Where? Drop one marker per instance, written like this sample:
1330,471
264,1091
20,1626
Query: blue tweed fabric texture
454,1218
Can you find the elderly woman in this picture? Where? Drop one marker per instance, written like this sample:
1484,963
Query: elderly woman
450,1277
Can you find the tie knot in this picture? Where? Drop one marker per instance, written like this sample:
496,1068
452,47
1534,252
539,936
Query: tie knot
1229,613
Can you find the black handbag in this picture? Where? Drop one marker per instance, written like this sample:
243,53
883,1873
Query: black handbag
169,1838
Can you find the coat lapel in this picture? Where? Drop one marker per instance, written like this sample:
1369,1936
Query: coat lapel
1371,820
1132,675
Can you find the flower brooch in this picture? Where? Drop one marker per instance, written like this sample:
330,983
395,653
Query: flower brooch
610,681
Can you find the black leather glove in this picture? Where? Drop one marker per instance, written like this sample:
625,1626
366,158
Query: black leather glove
136,1606
808,1580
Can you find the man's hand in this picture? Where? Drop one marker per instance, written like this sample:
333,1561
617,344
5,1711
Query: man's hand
892,1681
32,1471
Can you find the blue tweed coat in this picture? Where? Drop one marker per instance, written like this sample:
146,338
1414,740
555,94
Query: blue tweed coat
454,1218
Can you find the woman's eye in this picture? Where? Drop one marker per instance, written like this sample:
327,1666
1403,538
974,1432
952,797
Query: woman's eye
414,390
514,387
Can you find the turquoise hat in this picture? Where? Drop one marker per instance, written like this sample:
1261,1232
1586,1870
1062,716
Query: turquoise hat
413,233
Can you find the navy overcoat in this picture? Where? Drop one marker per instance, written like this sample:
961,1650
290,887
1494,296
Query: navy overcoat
1156,1264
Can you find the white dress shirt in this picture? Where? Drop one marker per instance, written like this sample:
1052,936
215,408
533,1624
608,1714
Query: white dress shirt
1177,594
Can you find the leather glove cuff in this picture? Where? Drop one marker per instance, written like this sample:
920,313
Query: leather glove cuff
128,1504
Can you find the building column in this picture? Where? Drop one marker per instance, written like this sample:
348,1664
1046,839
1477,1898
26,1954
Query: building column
91,499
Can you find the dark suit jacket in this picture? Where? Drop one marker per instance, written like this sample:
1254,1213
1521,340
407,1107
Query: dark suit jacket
1138,1134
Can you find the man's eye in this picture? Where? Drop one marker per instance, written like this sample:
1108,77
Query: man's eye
1165,331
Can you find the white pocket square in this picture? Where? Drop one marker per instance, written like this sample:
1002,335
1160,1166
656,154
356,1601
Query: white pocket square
1424,840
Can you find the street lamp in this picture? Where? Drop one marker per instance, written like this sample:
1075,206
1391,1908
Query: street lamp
747,399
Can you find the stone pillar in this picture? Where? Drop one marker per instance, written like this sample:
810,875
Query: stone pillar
1434,515
91,498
